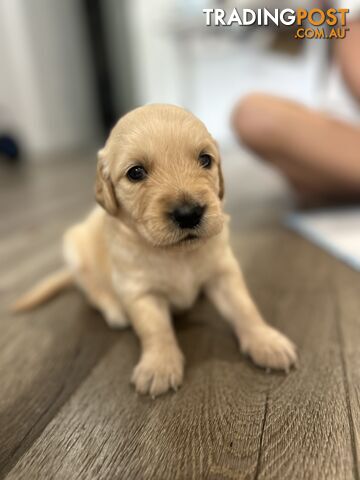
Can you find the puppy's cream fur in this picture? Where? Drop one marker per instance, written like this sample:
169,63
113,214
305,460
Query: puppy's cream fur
136,266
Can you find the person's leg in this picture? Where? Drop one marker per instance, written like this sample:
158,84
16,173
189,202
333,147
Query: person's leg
347,54
319,155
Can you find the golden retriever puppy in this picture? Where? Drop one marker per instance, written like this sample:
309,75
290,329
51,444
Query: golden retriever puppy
160,238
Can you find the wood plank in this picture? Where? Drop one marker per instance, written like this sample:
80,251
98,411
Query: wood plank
306,430
43,359
14,246
106,431
44,354
46,191
31,216
230,419
346,292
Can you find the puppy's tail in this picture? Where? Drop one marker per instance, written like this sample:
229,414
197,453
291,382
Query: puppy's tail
43,291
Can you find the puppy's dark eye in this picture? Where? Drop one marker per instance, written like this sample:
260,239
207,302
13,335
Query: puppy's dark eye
136,174
205,160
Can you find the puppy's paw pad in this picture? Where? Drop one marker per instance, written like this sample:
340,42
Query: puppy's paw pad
270,349
156,374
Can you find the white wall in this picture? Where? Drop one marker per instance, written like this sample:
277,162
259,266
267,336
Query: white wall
150,51
176,59
46,89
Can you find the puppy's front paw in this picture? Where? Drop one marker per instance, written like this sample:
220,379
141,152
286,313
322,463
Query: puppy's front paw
157,372
269,348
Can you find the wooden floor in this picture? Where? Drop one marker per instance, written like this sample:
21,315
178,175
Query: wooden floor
67,410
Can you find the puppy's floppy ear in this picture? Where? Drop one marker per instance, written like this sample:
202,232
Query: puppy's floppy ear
220,174
104,188
221,183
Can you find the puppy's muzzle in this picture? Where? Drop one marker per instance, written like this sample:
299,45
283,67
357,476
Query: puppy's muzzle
187,215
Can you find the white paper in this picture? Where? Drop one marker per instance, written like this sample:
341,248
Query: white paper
335,230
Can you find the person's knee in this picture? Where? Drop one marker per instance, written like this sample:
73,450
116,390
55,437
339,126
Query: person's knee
257,120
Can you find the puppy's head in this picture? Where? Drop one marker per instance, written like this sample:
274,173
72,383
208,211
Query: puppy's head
161,168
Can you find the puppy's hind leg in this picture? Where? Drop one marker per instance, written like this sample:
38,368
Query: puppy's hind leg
97,288
103,300
110,308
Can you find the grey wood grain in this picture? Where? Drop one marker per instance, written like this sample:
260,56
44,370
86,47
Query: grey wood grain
43,359
45,354
106,431
307,430
346,291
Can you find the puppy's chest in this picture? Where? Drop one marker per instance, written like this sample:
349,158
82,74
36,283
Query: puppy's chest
183,287
179,280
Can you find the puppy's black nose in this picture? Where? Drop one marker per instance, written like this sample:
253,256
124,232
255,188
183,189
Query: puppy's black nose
187,215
